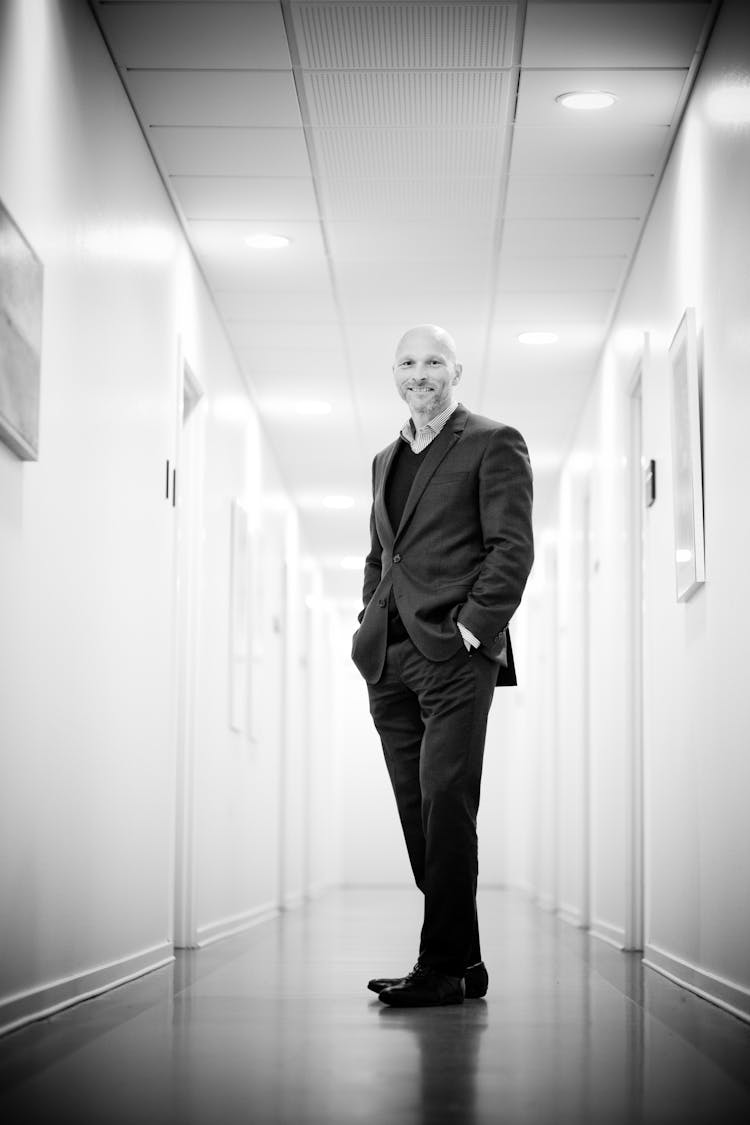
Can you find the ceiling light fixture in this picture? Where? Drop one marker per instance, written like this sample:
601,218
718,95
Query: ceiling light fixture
586,99
338,502
312,407
267,241
538,338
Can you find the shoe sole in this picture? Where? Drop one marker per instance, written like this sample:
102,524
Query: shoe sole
398,1001
378,986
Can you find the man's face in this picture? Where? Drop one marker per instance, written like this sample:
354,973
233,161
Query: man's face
425,371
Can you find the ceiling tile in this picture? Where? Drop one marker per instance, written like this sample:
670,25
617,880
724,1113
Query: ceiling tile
224,36
387,279
578,344
234,274
217,240
644,97
408,153
305,370
628,150
231,265
259,337
245,197
230,151
164,97
442,201
575,237
573,197
408,35
405,241
271,308
416,307
564,273
612,34
559,307
399,99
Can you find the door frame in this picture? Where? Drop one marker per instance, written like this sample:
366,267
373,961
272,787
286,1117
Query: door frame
188,499
634,859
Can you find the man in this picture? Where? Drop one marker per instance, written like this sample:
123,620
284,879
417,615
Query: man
451,550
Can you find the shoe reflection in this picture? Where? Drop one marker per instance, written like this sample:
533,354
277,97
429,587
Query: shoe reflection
432,1058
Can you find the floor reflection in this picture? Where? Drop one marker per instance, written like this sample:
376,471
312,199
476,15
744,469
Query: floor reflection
276,1027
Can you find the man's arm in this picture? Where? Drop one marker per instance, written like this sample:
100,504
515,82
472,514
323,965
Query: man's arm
505,504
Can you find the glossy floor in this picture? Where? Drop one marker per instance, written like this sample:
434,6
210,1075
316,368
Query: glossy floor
276,1025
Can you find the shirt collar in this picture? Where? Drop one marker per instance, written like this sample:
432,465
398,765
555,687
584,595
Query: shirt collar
409,430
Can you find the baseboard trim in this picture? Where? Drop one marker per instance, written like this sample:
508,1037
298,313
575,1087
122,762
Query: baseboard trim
235,924
605,931
293,900
726,994
571,915
39,1003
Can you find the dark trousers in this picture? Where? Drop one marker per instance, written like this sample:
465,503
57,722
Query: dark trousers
432,720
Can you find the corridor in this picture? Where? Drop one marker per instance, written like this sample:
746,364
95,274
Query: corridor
276,1026
216,221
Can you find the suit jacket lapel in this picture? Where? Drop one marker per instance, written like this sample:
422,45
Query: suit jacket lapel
382,518
434,454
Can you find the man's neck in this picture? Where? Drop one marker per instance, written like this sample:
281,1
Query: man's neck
423,418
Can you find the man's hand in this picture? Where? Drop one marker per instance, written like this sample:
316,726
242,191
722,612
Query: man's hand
468,638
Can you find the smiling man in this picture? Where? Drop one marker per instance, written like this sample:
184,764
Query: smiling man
451,550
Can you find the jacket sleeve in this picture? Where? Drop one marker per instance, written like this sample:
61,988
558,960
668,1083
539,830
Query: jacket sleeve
505,504
373,562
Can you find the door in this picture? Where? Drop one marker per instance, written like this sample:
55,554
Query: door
188,505
639,497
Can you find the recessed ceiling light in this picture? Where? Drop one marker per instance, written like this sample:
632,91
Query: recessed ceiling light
339,502
352,562
312,406
586,99
267,241
538,338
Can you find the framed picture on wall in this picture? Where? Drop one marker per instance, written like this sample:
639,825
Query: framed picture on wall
21,275
687,474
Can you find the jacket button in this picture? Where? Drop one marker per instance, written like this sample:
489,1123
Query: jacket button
382,603
397,558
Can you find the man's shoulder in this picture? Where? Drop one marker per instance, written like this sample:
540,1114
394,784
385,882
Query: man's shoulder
480,424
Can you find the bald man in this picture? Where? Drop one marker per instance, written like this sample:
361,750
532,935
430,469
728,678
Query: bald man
451,550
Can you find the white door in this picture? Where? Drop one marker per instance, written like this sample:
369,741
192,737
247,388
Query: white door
639,487
188,504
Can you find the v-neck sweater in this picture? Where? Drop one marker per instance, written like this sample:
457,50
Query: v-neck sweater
404,469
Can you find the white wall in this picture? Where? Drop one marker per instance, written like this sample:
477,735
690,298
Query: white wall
88,564
695,252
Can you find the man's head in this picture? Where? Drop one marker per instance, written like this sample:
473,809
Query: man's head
426,371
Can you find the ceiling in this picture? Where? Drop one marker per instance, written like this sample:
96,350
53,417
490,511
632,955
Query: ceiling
416,157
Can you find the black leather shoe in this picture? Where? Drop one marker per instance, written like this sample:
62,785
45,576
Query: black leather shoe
476,982
424,988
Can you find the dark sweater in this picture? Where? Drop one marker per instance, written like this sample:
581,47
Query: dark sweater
398,486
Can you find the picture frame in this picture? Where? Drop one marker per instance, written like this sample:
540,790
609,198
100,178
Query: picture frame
687,471
21,286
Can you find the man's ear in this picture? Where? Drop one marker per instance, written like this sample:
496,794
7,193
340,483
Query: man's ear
459,370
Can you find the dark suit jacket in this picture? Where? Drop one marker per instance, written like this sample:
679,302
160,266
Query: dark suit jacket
462,551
